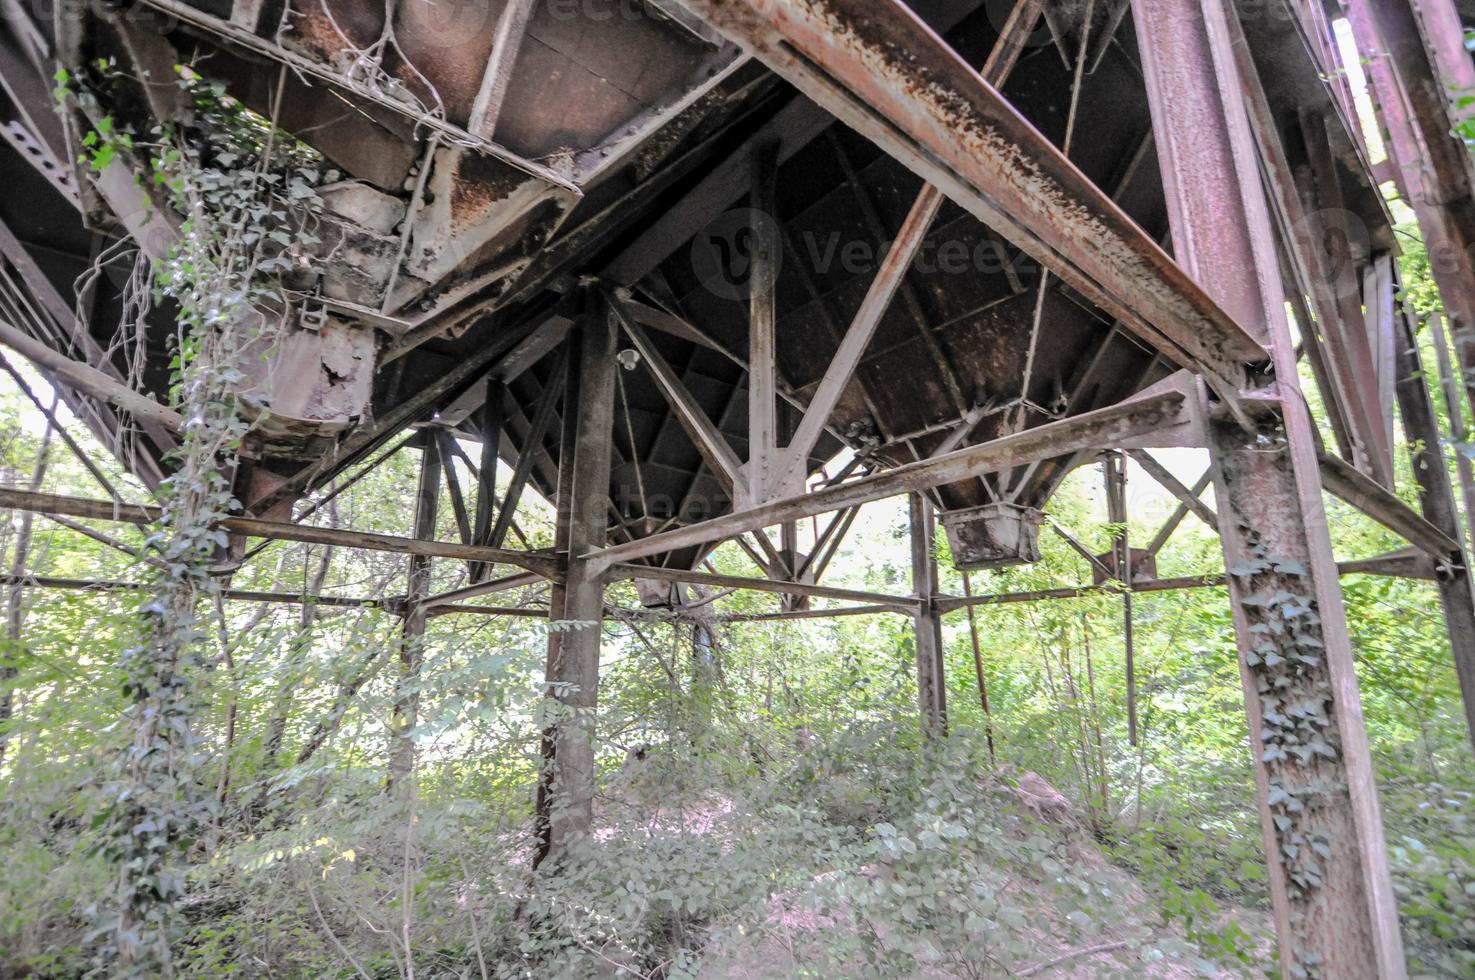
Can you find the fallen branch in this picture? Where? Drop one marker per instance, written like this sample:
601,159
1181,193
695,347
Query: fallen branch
1030,971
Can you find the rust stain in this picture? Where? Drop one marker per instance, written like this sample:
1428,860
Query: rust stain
475,194
313,31
1056,215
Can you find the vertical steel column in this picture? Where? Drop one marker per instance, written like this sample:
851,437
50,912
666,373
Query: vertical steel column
405,717
762,327
1116,506
563,501
1454,405
988,717
1331,893
927,621
1416,68
573,675
1437,498
486,492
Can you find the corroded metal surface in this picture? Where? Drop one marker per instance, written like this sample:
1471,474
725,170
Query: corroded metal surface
498,154
877,67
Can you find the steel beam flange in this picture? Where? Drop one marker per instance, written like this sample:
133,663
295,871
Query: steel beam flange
878,68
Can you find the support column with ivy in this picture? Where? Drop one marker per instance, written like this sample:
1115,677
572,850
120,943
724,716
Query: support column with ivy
242,194
1330,888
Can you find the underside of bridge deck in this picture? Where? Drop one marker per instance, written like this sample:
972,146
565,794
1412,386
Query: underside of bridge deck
694,270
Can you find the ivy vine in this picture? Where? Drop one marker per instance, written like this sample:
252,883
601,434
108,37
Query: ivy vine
1287,662
241,195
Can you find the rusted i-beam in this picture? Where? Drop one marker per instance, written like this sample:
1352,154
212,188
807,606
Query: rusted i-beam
1141,416
1437,498
1330,888
566,800
899,259
878,68
45,503
927,620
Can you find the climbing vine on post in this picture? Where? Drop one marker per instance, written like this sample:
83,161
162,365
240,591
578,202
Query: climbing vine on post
1294,732
242,197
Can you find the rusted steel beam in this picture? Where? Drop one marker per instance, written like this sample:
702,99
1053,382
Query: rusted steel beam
282,598
1322,370
1437,500
405,711
566,809
1331,893
1409,563
842,367
532,446
669,323
1398,564
101,510
1173,485
1379,309
1345,331
537,345
757,485
1076,546
839,523
794,126
88,380
491,425
798,614
339,488
950,604
822,564
1371,499
1347,405
1417,69
136,552
49,414
235,595
512,25
1176,518
665,322
926,619
479,589
703,432
1454,411
911,299
759,561
1115,473
622,572
563,521
880,70
512,612
1013,36
1401,564
766,558
37,304
982,678
1102,427
453,484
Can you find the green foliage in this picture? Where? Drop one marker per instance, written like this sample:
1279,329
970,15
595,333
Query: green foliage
235,195
766,802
